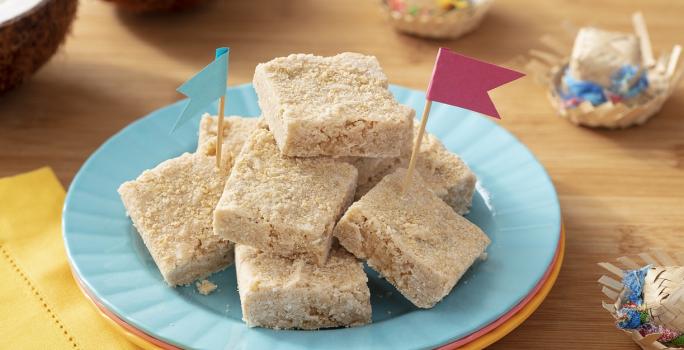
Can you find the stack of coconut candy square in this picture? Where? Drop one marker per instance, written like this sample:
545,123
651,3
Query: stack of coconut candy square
306,193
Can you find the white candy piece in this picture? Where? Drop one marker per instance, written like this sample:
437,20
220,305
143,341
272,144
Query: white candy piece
598,54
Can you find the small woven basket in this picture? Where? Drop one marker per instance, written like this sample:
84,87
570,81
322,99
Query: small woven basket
450,25
667,305
548,67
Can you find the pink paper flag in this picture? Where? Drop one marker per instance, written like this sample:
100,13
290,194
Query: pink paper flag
463,81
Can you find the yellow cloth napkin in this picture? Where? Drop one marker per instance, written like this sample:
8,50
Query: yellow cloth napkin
40,305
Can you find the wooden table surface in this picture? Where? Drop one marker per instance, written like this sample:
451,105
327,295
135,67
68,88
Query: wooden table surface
621,191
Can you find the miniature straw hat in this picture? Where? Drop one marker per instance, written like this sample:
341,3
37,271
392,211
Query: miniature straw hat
548,67
663,292
448,25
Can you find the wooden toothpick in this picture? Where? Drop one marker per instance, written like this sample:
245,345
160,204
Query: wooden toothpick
644,39
672,63
221,52
416,147
219,134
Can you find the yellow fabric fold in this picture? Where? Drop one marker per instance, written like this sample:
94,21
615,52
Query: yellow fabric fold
41,306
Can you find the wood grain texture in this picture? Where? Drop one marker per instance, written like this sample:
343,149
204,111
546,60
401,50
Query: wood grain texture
621,191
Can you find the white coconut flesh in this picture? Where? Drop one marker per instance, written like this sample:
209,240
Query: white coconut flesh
10,9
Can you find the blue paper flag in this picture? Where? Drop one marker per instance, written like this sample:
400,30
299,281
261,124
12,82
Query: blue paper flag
205,87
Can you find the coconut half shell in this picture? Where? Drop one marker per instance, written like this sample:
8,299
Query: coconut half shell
30,35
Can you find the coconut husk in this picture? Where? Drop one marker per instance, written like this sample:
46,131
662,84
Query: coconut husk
548,65
147,6
450,25
663,292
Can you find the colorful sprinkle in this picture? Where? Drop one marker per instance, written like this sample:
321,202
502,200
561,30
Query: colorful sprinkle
413,10
647,329
628,318
577,91
396,5
667,335
623,81
634,281
679,341
583,90
416,8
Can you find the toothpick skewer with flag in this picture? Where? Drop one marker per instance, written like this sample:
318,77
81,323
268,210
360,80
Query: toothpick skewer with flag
464,82
203,89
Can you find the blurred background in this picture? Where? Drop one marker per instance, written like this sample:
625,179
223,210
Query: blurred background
621,191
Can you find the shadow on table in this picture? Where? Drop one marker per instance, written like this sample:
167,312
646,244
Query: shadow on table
60,98
268,29
68,109
664,132
192,35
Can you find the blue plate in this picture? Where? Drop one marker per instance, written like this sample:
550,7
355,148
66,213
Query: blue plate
515,204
